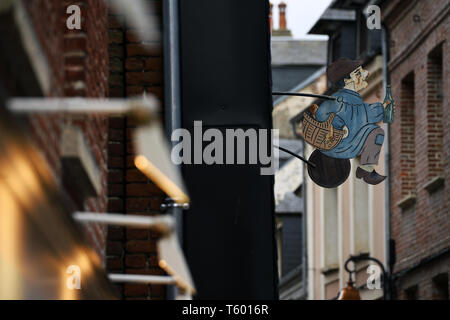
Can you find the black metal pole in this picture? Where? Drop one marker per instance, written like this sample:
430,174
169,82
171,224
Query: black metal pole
365,257
297,94
296,155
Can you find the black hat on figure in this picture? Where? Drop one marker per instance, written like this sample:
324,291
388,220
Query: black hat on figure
341,68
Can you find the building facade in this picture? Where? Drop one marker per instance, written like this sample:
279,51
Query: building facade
420,213
297,66
290,191
348,220
135,68
351,219
405,221
104,58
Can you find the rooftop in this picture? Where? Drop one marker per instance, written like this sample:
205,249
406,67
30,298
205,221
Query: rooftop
299,52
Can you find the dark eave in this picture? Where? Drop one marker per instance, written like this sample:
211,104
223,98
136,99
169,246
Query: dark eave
339,11
331,19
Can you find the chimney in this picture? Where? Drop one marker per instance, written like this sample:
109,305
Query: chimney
282,30
282,9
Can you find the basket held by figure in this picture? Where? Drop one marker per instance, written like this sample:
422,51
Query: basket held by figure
321,135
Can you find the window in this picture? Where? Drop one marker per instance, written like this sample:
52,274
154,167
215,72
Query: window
330,215
440,287
435,113
279,225
336,48
412,293
363,35
407,136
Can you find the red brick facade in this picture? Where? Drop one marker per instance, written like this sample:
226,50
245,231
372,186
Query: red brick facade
135,67
420,143
104,58
78,61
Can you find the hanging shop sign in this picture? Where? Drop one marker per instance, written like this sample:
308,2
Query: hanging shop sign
344,127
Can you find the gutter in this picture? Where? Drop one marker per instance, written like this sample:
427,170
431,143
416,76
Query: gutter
389,249
172,107
389,243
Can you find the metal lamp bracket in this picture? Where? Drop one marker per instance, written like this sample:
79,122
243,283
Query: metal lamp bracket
170,203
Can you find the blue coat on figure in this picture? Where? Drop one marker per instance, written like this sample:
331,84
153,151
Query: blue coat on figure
360,119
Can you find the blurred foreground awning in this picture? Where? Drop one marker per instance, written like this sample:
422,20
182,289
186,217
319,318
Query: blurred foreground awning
170,255
153,155
39,240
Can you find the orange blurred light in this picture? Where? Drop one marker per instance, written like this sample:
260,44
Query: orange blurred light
161,180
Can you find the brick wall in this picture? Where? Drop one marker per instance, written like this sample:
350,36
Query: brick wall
47,20
419,33
405,137
50,34
422,283
135,67
78,63
435,97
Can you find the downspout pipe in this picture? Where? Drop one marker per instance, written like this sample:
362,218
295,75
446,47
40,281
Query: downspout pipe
387,188
172,100
389,247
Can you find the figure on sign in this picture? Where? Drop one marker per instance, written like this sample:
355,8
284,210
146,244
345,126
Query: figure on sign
346,127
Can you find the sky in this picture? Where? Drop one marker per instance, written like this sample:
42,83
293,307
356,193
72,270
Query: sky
301,15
